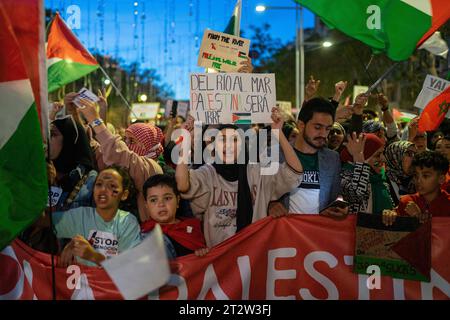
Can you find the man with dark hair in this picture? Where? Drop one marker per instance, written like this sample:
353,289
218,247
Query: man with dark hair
322,166
430,169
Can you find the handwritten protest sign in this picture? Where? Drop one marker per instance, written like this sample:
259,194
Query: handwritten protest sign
145,111
239,98
222,52
432,87
402,250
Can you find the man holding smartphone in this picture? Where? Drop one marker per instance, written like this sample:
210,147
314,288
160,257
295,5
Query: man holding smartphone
320,187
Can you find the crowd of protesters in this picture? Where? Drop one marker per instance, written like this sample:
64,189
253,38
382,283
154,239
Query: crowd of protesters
114,188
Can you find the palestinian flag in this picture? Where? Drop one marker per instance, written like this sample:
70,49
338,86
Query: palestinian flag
23,178
234,24
67,59
435,111
241,118
401,116
395,27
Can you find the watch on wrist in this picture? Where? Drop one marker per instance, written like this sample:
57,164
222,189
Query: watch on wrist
96,122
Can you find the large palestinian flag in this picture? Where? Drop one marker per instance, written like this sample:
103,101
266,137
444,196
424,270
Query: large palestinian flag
23,92
395,27
68,60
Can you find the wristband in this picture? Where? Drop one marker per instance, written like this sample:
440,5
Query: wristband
95,123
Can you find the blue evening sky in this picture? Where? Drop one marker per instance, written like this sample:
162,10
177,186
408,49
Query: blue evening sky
171,28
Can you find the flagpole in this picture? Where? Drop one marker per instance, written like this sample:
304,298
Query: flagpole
383,76
118,91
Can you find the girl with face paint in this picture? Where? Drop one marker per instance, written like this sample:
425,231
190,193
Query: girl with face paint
364,183
100,232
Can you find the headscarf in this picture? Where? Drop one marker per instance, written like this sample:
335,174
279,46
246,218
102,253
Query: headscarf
287,129
238,172
394,154
338,126
381,198
76,149
372,126
372,145
151,138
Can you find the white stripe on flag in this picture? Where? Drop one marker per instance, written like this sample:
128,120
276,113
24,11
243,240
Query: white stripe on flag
52,61
421,5
17,98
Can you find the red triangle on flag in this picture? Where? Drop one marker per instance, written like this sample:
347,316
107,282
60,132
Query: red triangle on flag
415,248
63,44
441,13
234,117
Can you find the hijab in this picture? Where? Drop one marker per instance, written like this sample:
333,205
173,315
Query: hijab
76,149
238,172
394,155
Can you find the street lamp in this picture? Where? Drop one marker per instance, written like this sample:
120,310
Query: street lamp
299,49
260,8
143,97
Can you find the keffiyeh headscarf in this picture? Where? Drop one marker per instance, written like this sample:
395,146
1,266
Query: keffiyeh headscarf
394,155
372,126
151,138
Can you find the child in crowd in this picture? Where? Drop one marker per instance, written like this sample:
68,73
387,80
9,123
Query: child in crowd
430,200
443,147
100,232
182,235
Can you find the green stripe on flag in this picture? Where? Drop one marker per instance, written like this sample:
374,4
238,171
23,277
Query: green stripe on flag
64,72
243,122
394,27
230,27
388,267
23,178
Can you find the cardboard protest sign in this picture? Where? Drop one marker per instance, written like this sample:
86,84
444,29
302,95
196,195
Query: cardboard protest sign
358,90
402,250
84,93
237,98
432,87
54,194
182,109
169,108
285,106
222,52
144,111
130,271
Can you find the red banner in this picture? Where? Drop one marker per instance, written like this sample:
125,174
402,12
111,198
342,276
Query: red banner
296,257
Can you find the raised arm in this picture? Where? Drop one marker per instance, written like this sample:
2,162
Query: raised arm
289,153
182,171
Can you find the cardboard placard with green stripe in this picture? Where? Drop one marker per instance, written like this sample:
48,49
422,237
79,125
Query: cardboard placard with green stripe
402,250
